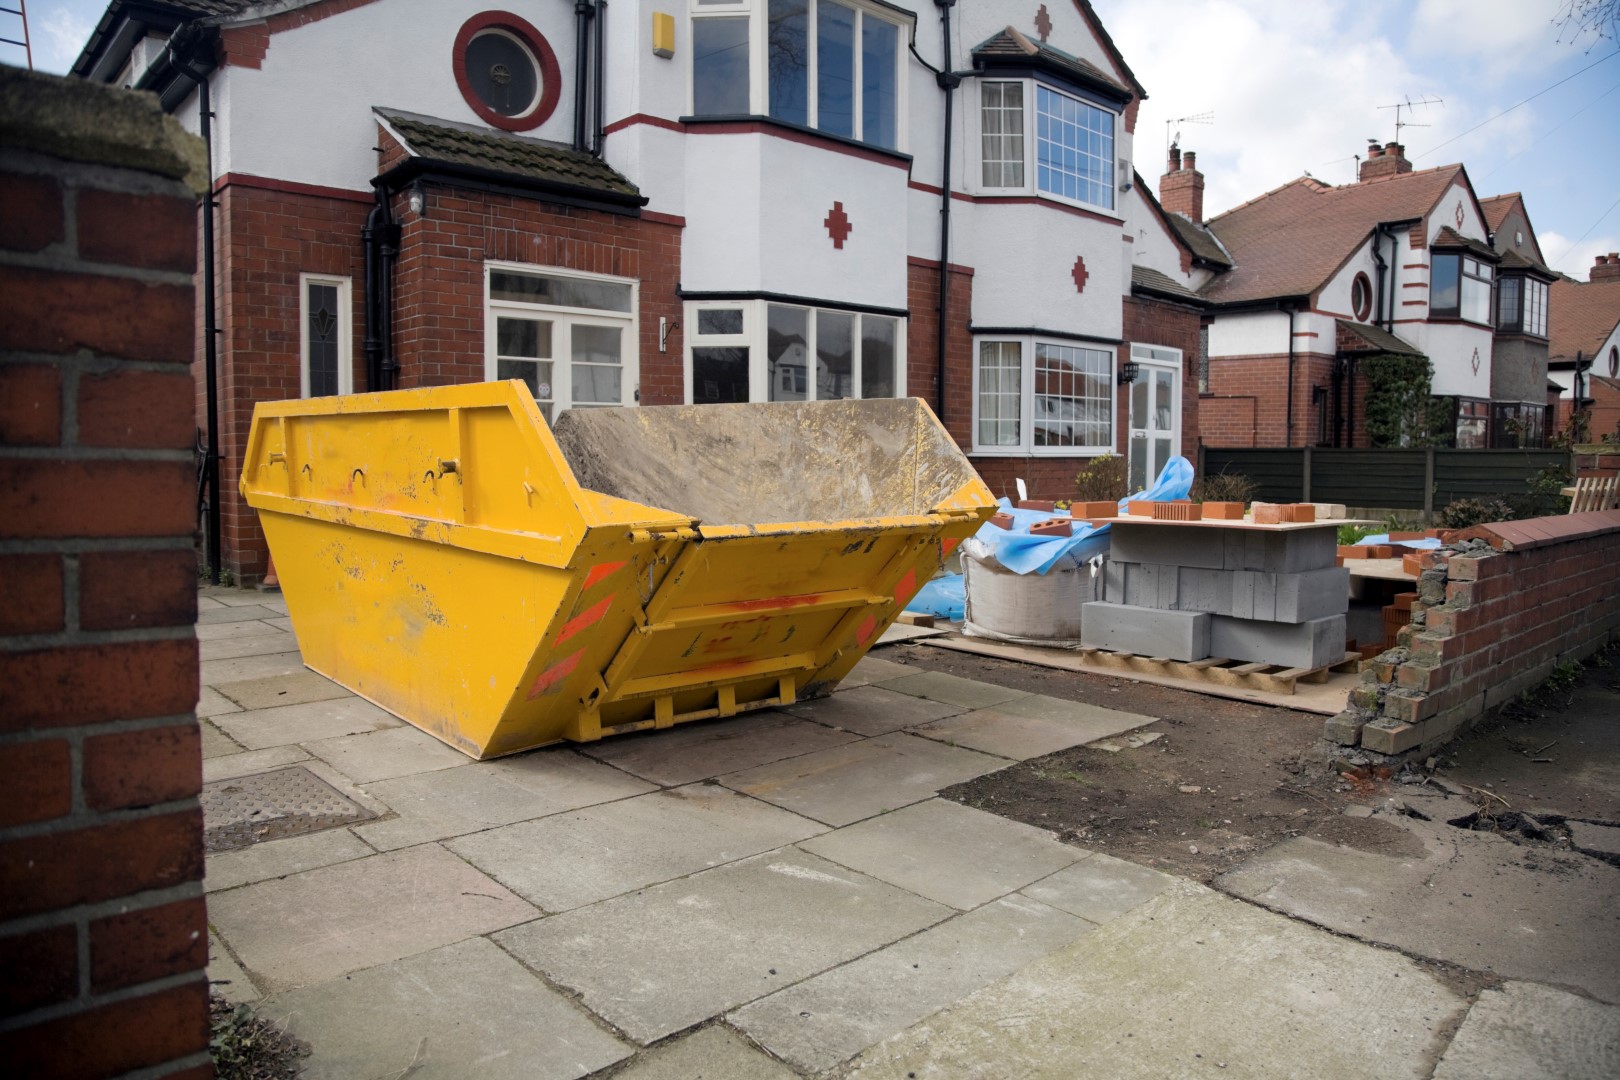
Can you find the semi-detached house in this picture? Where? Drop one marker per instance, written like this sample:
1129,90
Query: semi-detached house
683,201
1310,281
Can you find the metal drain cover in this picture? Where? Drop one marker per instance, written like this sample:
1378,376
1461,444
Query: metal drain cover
271,806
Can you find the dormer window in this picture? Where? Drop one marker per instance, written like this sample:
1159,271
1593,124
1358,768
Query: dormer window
1070,157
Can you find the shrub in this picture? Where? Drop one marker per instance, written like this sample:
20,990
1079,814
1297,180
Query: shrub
1103,479
1465,512
1224,487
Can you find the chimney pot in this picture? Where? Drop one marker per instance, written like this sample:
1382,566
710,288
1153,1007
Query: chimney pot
1190,160
1614,256
1374,151
1175,159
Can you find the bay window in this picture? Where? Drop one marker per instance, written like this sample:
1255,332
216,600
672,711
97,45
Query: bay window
751,350
1460,286
1042,397
1071,155
1521,305
832,65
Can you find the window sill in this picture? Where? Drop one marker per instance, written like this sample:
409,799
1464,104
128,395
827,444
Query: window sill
1458,319
1041,451
796,132
1025,195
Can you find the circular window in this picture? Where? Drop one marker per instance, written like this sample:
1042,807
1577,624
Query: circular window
1614,360
1361,297
506,71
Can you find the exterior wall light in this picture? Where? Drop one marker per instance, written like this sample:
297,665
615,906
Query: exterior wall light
1128,372
417,200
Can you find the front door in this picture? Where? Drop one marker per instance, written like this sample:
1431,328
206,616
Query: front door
1155,413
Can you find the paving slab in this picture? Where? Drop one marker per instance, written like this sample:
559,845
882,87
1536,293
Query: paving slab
483,795
1190,984
900,633
211,702
660,960
1599,841
305,723
268,643
233,613
226,977
950,853
205,603
283,858
1100,888
230,629
249,762
324,923
282,622
836,1014
226,596
953,689
711,1053
277,690
467,1009
1472,898
1527,1032
256,666
848,783
215,743
1008,734
274,601
570,860
383,755
708,748
870,670
872,710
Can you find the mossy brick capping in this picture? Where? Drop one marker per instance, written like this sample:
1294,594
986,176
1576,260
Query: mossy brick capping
102,924
1497,611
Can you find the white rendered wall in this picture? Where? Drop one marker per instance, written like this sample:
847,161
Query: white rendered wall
1031,249
1260,333
1152,245
305,116
1450,347
1444,214
1335,297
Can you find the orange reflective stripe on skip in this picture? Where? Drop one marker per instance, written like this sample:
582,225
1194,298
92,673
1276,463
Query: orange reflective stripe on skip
864,634
555,674
606,569
907,588
948,545
589,617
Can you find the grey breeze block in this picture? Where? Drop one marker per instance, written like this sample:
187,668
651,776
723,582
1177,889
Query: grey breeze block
1288,552
1312,644
1243,594
1175,635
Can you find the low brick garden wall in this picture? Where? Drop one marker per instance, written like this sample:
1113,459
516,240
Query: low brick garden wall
1498,610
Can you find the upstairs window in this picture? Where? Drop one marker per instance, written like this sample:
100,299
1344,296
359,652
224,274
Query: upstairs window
1071,156
1460,286
1521,306
829,65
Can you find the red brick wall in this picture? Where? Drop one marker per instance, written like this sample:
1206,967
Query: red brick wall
103,934
1604,418
266,238
1484,632
922,344
1248,400
439,282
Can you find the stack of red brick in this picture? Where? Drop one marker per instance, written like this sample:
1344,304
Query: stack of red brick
103,930
1496,613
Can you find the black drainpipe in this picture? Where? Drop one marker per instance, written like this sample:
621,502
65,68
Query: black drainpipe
372,342
210,323
1289,430
948,81
601,67
380,237
582,22
1383,268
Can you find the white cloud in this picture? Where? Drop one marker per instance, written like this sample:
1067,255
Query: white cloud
59,35
1576,260
1506,38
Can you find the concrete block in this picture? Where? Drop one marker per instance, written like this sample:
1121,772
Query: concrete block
1190,545
1205,590
1304,645
1241,594
1177,635
1344,728
1312,594
1279,552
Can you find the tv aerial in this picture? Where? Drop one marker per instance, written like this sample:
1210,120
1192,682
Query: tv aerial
1170,139
1409,105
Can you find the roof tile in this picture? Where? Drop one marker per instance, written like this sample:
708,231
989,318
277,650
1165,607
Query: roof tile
516,155
1580,316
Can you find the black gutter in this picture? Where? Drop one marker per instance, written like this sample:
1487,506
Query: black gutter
205,114
495,180
790,298
582,20
599,74
1036,331
947,81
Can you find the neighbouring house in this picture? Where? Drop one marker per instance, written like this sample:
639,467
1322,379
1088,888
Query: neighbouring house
1325,300
1585,348
682,201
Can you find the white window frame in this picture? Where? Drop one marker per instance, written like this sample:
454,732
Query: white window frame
564,318
1027,446
758,14
1160,356
1031,137
345,335
755,338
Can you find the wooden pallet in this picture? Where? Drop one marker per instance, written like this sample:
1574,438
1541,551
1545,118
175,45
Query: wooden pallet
1274,678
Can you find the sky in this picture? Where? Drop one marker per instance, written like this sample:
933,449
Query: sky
1297,87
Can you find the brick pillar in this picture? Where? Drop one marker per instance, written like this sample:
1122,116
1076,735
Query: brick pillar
103,932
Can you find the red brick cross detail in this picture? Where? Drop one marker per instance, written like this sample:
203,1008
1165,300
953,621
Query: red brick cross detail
1079,274
838,226
1043,23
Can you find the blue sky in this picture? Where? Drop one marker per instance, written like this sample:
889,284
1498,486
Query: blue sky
1296,87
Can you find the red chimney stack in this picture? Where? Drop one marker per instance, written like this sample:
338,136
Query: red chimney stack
1181,189
1606,268
1386,160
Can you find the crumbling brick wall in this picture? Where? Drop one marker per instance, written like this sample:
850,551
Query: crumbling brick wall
1498,609
103,932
